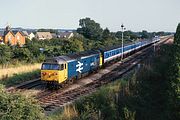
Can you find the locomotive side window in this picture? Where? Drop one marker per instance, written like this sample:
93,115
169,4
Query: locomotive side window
62,67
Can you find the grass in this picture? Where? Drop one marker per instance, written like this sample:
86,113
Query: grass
71,111
67,113
10,72
19,78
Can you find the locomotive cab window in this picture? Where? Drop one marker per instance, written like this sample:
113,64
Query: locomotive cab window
48,66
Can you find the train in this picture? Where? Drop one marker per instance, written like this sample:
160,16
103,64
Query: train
68,68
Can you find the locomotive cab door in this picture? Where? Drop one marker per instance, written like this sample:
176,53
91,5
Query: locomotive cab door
63,72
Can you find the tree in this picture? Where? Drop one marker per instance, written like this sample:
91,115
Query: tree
90,29
5,54
23,54
177,35
130,35
118,34
175,76
48,30
106,34
34,48
144,34
76,45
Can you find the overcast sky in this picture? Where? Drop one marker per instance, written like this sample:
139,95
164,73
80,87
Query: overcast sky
136,15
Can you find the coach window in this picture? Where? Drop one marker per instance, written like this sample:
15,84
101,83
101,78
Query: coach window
106,55
65,66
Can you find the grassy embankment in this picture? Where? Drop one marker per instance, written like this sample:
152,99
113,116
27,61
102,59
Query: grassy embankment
16,75
103,102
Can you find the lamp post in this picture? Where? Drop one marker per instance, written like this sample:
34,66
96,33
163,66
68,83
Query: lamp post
122,48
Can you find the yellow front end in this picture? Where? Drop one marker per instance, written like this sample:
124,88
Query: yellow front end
58,76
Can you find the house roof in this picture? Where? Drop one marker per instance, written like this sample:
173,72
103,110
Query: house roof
29,32
65,34
25,33
46,35
1,33
6,32
16,31
54,35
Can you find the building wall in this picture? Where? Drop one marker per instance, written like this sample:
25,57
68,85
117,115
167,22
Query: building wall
31,36
1,38
9,38
19,38
71,35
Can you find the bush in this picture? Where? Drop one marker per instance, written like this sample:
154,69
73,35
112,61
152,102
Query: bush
17,107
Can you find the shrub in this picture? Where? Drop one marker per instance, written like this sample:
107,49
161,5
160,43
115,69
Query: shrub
17,107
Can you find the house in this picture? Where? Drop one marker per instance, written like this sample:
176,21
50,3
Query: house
31,36
25,33
54,35
67,35
9,38
28,35
19,37
43,35
13,37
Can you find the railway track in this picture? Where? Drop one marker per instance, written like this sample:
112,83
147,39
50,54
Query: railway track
53,100
60,99
25,86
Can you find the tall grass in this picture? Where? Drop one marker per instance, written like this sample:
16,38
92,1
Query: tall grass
99,105
19,78
10,72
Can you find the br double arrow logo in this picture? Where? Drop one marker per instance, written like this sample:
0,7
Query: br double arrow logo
79,67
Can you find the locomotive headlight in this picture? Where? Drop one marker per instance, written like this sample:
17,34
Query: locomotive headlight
43,73
55,73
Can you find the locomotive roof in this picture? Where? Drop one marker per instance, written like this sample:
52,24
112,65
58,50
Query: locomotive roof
82,54
73,56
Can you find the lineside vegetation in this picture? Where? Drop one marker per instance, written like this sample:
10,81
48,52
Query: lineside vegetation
153,93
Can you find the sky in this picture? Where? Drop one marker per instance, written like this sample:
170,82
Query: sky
136,15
